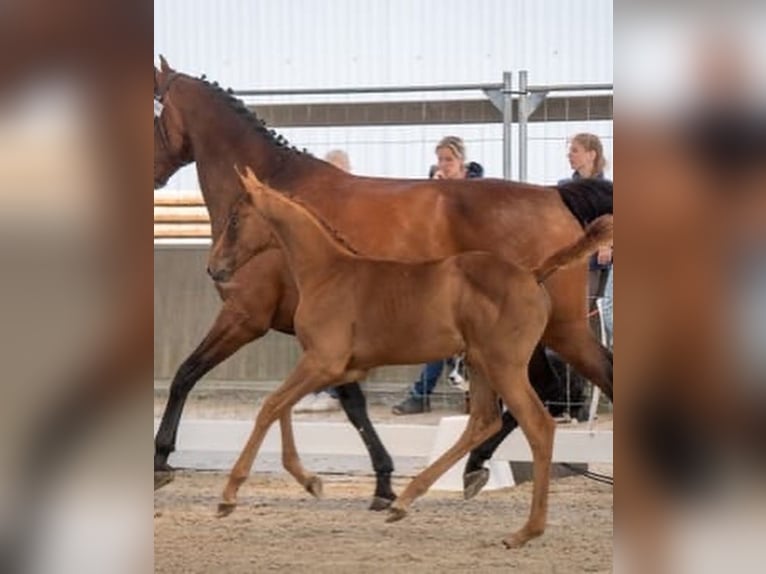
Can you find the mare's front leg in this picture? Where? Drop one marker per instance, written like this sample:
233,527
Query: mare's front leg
231,330
307,376
354,403
483,422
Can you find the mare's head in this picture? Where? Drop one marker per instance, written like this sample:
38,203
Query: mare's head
172,148
246,232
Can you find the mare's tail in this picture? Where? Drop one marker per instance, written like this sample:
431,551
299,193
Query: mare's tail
597,233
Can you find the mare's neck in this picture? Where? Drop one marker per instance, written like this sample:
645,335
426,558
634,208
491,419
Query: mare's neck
222,136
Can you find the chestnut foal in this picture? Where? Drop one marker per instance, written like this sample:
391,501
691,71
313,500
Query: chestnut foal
357,313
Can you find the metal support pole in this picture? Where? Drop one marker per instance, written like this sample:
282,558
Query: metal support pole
523,116
507,122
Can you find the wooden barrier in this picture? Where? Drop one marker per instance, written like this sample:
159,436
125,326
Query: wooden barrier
181,216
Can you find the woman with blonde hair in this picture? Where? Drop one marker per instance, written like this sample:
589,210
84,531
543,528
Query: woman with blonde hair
586,156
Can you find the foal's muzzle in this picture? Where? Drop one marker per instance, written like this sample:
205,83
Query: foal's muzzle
219,275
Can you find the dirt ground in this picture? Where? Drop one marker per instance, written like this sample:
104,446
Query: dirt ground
280,528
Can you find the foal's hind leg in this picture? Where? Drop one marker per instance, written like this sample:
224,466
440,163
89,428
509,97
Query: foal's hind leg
483,421
546,383
231,330
538,427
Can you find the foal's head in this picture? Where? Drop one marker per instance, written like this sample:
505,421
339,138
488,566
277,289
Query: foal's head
245,234
172,149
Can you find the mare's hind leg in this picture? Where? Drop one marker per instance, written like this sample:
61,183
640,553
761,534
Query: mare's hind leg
577,345
538,427
483,422
546,383
231,330
354,403
305,378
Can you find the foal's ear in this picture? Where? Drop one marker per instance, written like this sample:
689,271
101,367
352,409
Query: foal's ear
242,175
164,64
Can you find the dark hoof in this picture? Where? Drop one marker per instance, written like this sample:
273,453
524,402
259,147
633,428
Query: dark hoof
380,503
315,487
225,508
473,482
163,477
395,514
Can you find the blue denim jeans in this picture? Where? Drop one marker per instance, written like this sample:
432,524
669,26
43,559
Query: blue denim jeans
425,384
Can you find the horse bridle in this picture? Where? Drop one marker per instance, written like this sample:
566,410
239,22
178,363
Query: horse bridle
159,96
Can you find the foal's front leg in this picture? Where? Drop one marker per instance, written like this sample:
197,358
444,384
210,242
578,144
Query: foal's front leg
292,462
304,379
483,422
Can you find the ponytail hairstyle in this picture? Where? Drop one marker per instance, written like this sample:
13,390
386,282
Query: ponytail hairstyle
591,142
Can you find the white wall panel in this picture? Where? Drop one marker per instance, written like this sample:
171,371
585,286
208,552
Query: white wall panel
329,43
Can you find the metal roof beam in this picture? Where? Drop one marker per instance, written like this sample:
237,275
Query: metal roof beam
552,108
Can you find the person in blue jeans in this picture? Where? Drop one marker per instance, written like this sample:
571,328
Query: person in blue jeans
451,164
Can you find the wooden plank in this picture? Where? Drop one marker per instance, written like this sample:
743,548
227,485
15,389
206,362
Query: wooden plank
181,230
189,198
181,214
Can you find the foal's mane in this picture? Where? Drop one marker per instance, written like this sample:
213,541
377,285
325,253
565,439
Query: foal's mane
335,236
257,124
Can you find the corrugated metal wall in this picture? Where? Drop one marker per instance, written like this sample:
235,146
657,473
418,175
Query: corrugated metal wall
331,43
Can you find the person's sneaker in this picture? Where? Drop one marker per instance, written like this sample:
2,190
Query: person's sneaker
324,403
305,404
412,406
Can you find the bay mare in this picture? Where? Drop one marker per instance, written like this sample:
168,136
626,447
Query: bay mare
356,313
408,220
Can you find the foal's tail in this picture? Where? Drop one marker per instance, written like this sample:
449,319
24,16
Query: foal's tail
597,233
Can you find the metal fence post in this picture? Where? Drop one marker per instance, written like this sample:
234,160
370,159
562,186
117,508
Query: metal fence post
507,122
523,116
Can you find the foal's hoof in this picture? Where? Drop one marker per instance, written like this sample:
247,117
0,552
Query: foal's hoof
395,513
513,541
225,508
473,482
520,538
163,478
380,503
314,486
